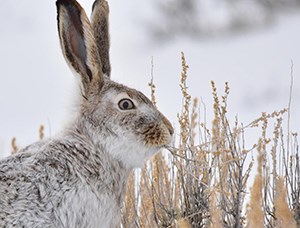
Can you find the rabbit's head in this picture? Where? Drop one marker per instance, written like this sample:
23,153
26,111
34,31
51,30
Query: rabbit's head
120,120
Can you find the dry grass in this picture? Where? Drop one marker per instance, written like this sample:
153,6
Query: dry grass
283,214
14,147
203,179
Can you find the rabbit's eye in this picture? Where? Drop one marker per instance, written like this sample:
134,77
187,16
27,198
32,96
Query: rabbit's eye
126,104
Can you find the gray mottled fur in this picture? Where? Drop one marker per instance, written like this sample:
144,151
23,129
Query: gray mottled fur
78,178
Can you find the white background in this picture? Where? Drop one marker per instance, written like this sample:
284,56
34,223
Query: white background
36,86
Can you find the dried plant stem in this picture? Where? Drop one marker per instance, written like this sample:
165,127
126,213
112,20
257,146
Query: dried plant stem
14,147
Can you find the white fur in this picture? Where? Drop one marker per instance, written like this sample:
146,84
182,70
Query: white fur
84,200
132,153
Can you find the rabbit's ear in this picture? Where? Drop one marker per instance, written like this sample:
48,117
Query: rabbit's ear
78,44
100,25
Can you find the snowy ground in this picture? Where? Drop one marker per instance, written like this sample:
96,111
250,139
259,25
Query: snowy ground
36,86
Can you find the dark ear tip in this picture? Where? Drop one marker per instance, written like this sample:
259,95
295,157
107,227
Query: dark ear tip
102,2
94,4
65,2
70,5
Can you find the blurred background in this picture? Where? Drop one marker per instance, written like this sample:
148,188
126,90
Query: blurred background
249,43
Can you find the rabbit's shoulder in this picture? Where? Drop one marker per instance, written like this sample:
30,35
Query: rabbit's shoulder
32,183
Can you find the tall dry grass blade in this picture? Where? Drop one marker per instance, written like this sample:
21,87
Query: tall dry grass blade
284,216
152,85
129,210
14,147
41,132
215,212
255,214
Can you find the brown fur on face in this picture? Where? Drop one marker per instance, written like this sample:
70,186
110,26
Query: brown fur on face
155,136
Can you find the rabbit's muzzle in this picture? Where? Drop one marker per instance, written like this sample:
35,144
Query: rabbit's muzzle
158,134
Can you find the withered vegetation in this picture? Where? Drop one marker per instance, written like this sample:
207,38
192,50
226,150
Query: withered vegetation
207,178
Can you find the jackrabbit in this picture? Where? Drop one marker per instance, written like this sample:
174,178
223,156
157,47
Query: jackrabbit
78,178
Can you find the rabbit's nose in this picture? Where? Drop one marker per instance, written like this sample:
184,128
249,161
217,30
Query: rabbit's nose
168,125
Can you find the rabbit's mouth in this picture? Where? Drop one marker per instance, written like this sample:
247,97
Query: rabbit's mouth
157,136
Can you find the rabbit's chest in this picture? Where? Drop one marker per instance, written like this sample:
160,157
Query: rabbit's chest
81,207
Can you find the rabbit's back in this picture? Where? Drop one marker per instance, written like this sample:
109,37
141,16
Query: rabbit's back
32,184
53,184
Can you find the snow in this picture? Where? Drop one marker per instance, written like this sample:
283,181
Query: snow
37,87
